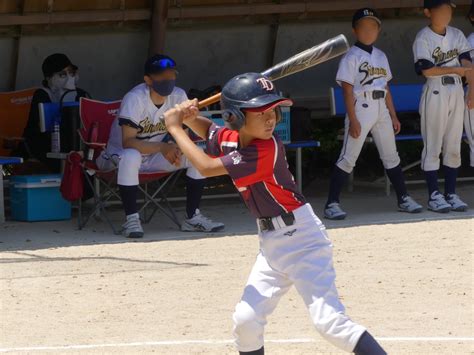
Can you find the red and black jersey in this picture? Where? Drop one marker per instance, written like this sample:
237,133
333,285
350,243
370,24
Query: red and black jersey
259,171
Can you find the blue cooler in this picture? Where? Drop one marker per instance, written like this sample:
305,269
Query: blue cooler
37,198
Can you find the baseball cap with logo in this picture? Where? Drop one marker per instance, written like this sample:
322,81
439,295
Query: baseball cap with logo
431,4
158,64
366,12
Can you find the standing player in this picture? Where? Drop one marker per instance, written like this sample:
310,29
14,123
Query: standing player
364,74
442,55
295,248
136,144
469,116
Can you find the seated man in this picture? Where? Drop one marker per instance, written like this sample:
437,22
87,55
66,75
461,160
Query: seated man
138,143
60,77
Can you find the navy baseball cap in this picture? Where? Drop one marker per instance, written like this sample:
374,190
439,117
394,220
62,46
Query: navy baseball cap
431,4
158,64
366,12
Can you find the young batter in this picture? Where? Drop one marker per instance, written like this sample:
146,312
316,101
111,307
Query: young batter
364,73
442,55
138,143
294,246
469,115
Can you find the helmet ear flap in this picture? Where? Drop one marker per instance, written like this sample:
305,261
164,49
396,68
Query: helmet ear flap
234,119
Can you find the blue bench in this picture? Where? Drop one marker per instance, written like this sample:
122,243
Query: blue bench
406,98
298,146
5,161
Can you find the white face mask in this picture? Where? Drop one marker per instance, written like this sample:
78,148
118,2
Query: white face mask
63,81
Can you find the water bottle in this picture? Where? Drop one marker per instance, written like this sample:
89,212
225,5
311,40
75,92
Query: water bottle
93,135
55,138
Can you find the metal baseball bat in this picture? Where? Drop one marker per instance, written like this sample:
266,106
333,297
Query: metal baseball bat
309,58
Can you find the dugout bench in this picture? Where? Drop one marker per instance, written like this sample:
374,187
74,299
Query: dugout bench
406,98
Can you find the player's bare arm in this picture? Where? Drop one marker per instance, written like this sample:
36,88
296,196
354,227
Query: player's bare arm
354,124
206,165
393,113
198,124
169,150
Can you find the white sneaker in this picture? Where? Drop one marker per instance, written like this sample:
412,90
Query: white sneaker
437,203
133,227
409,205
334,212
456,203
200,223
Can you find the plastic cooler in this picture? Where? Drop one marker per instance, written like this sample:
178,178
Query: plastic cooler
37,198
282,129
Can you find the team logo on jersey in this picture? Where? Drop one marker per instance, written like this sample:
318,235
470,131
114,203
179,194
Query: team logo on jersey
236,158
266,84
371,73
441,57
148,127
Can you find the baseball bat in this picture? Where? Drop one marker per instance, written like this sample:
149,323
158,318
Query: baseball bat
310,57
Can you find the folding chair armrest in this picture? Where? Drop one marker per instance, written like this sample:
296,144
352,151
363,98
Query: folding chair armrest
95,145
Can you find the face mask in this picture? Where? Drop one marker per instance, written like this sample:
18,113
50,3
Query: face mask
163,87
60,82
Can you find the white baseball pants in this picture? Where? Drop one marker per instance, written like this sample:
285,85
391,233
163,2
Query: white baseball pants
374,117
131,162
442,111
299,255
469,129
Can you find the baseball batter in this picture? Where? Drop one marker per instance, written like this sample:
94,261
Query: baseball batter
138,143
469,115
364,73
294,245
442,55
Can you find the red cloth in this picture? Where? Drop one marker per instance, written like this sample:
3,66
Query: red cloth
72,184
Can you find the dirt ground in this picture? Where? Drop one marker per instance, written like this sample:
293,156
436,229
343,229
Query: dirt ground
411,284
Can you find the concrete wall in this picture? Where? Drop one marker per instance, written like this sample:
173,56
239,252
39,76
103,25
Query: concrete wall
111,62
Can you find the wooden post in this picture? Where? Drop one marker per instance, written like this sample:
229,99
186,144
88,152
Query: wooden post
16,48
159,19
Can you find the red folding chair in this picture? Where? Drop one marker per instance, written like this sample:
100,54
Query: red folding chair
97,118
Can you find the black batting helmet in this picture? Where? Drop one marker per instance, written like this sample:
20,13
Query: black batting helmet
248,91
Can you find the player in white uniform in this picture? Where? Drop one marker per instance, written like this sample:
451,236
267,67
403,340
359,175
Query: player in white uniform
442,55
364,73
469,115
139,143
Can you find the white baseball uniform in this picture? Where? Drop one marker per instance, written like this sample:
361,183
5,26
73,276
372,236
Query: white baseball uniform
442,101
138,111
369,74
469,115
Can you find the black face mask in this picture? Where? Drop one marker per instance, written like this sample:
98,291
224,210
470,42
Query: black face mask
163,87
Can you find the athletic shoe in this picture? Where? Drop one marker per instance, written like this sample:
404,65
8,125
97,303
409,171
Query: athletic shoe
437,203
200,223
409,205
456,203
133,228
334,211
